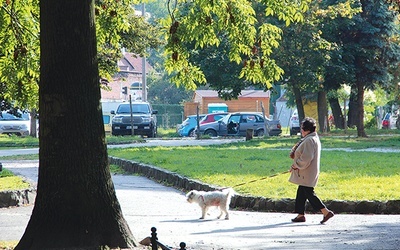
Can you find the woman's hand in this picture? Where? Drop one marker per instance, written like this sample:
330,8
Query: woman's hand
293,167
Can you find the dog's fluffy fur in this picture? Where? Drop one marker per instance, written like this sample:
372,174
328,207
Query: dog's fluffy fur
220,199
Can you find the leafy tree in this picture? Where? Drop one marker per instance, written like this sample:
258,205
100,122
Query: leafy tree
371,52
161,91
200,24
19,52
117,27
220,72
304,56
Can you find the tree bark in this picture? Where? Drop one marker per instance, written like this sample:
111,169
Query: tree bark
76,206
322,112
299,103
352,117
337,113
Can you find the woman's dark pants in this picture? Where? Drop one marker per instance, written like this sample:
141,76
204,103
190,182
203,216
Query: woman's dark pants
304,194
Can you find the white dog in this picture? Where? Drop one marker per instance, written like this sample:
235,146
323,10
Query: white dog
220,199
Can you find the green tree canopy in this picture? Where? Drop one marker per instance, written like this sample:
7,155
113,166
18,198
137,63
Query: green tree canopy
117,27
195,25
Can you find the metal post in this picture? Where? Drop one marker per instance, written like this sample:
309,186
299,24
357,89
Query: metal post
130,107
345,116
154,244
144,88
182,246
198,123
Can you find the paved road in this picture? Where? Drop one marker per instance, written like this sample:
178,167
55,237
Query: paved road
146,204
188,141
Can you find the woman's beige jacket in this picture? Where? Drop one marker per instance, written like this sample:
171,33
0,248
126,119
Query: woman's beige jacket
307,160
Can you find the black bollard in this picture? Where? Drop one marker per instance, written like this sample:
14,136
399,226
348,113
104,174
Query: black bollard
182,245
1,167
154,244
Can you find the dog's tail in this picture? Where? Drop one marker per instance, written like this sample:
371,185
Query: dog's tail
229,192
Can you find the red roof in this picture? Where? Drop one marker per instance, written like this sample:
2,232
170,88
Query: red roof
133,62
130,64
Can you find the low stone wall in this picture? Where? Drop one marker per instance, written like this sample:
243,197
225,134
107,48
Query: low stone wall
249,202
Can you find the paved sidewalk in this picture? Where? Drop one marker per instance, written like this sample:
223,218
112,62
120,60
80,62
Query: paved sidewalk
146,204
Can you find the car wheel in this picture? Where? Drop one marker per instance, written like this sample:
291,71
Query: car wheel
260,133
211,133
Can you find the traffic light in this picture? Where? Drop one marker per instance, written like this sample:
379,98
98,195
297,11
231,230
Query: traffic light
125,90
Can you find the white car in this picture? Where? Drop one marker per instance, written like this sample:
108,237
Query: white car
294,123
12,124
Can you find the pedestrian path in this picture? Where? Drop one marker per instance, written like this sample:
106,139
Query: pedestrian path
147,204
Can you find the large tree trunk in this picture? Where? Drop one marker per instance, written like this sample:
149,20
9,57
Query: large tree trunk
322,112
33,115
336,112
76,206
299,103
352,117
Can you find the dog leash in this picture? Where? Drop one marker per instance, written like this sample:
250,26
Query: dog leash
263,178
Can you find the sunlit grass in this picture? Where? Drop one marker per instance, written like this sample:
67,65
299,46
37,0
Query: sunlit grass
14,141
12,183
345,175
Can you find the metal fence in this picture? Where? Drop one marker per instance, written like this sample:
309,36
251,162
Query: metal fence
169,115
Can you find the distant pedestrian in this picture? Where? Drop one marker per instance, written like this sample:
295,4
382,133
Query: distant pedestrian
306,156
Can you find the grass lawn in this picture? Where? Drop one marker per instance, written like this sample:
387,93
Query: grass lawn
348,174
8,181
345,175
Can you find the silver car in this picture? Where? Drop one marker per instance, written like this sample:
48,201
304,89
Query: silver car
11,124
236,124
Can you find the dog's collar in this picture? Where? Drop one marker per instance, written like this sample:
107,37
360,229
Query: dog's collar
202,198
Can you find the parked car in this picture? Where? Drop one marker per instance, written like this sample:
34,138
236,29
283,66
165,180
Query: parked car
213,117
389,121
144,119
294,123
188,125
15,124
236,124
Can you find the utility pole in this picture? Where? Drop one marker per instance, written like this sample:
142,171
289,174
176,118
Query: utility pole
144,87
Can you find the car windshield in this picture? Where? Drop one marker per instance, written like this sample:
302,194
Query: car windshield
9,117
136,108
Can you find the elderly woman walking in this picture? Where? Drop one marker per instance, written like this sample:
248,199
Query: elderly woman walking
305,171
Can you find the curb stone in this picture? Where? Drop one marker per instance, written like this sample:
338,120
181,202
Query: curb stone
11,198
260,204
